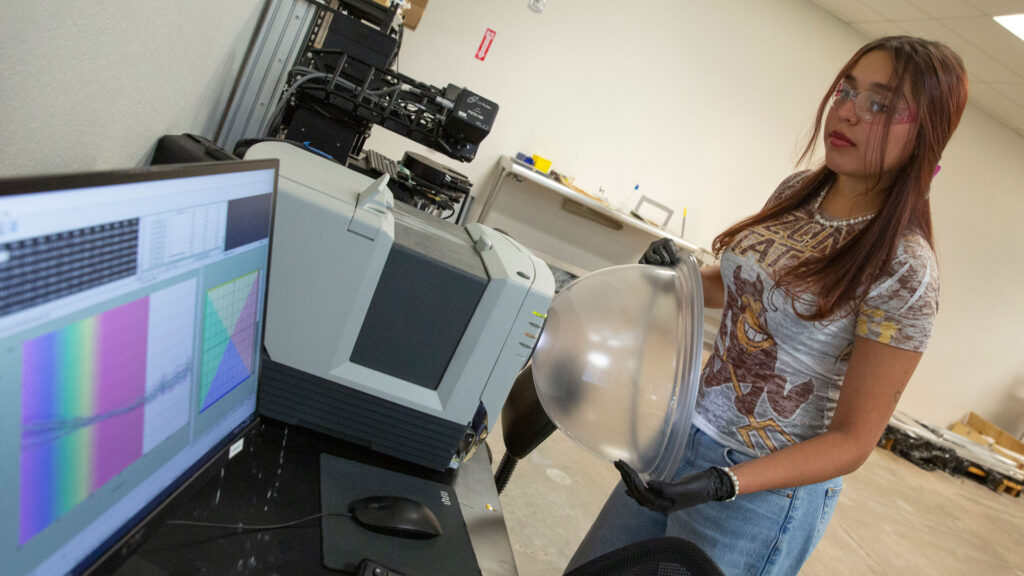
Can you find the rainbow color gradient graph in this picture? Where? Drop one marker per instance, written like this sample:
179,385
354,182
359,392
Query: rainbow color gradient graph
81,414
229,335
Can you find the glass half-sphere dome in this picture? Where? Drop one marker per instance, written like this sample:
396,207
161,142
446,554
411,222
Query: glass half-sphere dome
617,365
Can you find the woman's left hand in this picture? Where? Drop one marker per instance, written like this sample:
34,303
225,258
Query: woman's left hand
661,252
666,497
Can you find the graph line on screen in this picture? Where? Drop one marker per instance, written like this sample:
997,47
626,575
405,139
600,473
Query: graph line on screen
39,432
86,396
229,336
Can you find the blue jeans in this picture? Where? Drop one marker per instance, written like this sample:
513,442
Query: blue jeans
766,533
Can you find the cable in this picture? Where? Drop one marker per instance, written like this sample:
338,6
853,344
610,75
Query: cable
401,103
387,90
279,109
312,74
248,527
398,44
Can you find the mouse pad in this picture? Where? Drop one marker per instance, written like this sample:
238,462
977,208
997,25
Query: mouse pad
345,543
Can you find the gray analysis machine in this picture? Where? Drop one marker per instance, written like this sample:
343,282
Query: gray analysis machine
388,327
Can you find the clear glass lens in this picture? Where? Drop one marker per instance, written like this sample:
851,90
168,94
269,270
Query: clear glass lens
618,364
867,105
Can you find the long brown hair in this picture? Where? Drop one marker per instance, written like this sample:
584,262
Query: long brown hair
938,86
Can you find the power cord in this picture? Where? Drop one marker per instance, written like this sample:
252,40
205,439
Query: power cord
251,527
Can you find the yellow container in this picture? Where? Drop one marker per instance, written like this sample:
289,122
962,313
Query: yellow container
541,163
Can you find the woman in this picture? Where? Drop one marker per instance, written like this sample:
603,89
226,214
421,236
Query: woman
831,286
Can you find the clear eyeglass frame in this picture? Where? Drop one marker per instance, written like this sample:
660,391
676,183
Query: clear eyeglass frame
870,106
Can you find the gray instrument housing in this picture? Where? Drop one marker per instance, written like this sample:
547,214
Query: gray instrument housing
385,326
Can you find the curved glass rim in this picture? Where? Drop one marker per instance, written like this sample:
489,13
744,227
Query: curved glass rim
680,416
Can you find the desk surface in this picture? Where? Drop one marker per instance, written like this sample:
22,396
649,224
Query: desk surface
565,228
275,479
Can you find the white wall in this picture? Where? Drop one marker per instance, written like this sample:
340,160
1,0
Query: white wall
92,85
976,358
706,105
705,108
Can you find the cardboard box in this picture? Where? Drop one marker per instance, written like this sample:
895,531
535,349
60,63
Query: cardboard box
981,431
413,13
1001,437
970,433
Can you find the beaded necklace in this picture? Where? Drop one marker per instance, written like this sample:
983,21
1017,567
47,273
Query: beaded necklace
835,223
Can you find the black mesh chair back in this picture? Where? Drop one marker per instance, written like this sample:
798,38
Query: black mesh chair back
654,557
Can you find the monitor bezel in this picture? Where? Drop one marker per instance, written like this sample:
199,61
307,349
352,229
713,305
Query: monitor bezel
127,538
42,183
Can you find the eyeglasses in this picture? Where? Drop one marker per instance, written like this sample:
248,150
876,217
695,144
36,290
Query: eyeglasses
870,106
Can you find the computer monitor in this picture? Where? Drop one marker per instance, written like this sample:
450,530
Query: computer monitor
131,313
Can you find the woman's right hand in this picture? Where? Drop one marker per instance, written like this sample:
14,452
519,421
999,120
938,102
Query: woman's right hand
694,489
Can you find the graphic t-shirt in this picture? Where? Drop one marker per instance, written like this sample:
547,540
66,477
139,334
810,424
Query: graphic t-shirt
774,378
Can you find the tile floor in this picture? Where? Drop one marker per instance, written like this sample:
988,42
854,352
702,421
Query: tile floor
892,519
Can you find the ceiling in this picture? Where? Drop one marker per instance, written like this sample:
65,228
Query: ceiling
994,57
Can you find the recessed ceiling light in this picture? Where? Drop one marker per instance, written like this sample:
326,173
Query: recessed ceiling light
1014,23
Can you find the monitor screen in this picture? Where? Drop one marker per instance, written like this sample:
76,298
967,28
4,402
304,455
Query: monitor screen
131,313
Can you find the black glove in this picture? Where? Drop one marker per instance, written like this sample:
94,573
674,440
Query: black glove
661,252
665,497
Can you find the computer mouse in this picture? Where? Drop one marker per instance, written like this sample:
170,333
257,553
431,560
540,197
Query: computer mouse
395,516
